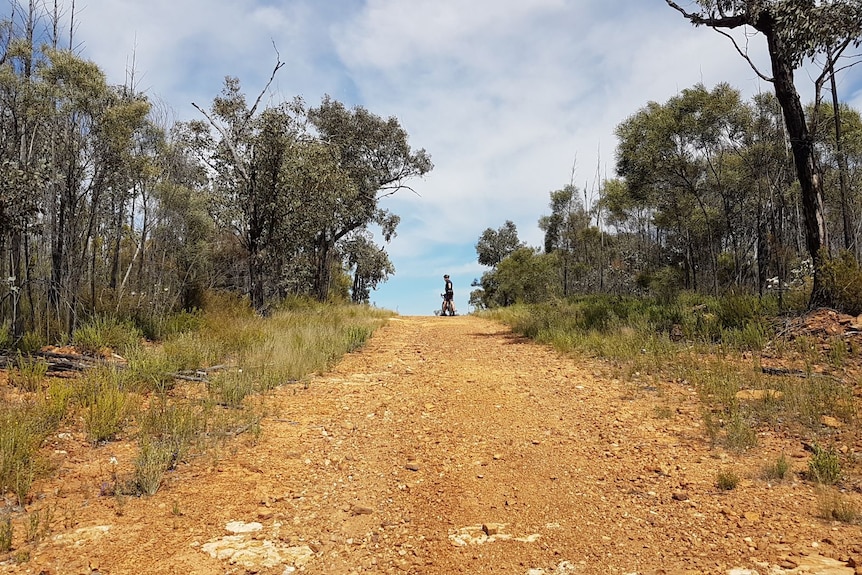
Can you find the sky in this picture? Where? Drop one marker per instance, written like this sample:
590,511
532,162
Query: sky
512,99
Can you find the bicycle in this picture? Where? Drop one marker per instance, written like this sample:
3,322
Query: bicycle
448,306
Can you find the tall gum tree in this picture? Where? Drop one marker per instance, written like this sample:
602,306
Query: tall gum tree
795,30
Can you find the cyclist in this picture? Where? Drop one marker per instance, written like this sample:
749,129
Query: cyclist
448,296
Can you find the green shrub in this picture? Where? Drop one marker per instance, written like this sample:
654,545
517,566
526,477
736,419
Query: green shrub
148,371
159,328
5,335
107,332
824,466
778,470
6,532
107,407
230,389
30,343
154,458
29,372
666,284
172,424
23,427
740,434
355,336
726,480
842,283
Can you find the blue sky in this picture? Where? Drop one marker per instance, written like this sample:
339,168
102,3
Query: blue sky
506,95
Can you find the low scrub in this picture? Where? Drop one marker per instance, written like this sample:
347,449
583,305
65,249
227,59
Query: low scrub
28,373
824,466
23,428
835,506
234,352
101,333
777,471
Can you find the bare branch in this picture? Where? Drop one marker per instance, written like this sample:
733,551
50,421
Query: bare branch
745,56
226,139
278,66
395,190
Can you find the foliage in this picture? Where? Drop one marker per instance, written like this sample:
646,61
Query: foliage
495,245
777,471
794,32
842,279
298,189
107,407
824,466
23,427
524,276
153,460
103,333
726,480
28,373
6,532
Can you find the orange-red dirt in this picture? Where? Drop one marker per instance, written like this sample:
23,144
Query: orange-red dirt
448,445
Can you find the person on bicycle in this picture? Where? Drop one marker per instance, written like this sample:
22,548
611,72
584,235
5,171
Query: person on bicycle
448,296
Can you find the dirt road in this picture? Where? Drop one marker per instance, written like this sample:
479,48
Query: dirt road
448,445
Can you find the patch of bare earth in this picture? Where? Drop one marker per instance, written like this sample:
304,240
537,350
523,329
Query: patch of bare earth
448,445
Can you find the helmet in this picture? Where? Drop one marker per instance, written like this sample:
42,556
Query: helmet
446,276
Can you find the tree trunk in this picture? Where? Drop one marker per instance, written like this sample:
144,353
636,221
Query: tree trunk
802,146
842,160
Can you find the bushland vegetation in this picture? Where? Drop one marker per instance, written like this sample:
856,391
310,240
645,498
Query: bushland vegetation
204,384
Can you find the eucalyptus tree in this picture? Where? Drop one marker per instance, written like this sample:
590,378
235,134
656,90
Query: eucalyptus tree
93,132
794,31
247,158
524,276
494,245
368,262
839,156
293,182
679,158
377,159
767,165
567,236
25,112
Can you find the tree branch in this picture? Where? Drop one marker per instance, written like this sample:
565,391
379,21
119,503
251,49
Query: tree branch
744,55
723,21
278,66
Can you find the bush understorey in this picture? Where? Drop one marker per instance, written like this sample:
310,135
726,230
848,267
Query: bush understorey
179,398
751,372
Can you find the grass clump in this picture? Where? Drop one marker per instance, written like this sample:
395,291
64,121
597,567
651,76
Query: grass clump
824,466
176,425
39,524
6,532
835,506
154,458
102,333
29,372
106,405
241,353
726,480
23,427
778,470
740,434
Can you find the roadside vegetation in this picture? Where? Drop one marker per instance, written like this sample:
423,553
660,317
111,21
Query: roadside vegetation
754,366
204,383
